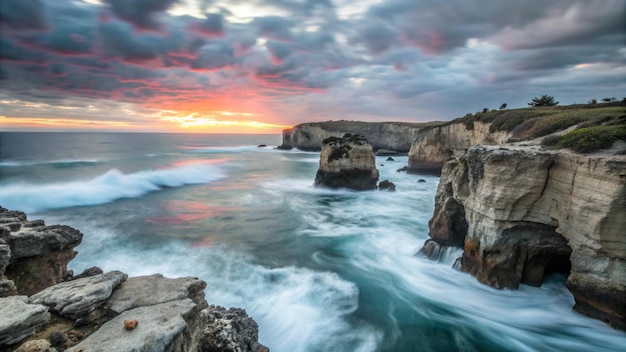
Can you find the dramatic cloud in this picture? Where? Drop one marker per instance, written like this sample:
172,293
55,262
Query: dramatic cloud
281,62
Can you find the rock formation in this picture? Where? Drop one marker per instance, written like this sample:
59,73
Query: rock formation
347,162
434,146
90,311
391,136
523,212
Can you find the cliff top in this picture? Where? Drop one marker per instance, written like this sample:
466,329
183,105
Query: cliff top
344,125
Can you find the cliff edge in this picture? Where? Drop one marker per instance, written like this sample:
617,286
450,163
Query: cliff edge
521,210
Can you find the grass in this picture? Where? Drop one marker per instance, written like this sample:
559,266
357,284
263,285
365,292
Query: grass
590,139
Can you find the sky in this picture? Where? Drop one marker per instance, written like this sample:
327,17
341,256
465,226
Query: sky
259,66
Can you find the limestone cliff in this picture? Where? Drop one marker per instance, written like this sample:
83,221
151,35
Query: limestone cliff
434,146
523,212
347,162
394,136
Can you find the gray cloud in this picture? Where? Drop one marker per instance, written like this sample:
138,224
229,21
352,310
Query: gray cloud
23,14
141,13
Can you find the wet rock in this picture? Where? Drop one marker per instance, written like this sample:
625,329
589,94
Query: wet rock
387,185
229,331
390,159
171,326
19,319
421,180
93,271
80,299
347,163
150,290
34,346
262,146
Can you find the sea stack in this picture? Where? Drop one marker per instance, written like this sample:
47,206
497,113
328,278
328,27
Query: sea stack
347,162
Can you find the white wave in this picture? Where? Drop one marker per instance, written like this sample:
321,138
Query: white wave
47,162
103,189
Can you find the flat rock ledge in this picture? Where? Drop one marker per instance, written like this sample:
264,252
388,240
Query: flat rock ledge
88,312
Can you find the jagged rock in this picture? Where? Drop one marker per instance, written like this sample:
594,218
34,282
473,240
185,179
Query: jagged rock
527,209
284,147
390,159
34,346
165,327
19,319
150,290
80,299
387,185
262,146
39,256
347,163
229,331
93,271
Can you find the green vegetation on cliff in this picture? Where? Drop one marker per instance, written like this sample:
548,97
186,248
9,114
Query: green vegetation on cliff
598,125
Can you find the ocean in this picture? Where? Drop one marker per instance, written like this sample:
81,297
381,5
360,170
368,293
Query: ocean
318,269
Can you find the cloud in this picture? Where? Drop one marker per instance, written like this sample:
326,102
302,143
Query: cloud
140,13
311,59
23,14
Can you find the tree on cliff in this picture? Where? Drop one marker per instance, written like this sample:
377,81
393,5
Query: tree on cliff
544,100
503,106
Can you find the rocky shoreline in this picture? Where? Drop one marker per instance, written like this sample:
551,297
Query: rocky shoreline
44,307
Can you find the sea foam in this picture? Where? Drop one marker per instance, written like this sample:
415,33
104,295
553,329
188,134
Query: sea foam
105,188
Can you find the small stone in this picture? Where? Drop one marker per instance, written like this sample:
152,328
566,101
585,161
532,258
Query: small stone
421,180
58,339
130,324
390,159
387,185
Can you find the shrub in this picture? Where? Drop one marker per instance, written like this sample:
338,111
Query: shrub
589,139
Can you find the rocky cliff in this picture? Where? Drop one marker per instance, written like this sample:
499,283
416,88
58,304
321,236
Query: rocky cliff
434,146
393,136
347,162
43,305
523,212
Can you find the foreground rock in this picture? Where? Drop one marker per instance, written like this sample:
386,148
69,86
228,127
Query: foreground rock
521,213
347,162
19,319
33,256
92,311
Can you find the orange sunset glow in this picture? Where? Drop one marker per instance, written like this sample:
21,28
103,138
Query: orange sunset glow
262,66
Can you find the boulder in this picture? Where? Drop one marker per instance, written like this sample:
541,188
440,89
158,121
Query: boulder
229,330
387,185
347,162
20,319
39,254
165,327
80,299
34,346
154,289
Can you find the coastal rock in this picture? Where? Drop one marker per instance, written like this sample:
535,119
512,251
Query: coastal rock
531,212
34,346
433,146
80,299
154,289
392,136
19,319
39,254
165,327
229,331
387,185
347,163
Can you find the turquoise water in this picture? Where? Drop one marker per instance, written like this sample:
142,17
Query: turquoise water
319,270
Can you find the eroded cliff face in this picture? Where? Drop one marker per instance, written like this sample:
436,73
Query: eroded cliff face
434,146
381,135
530,212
